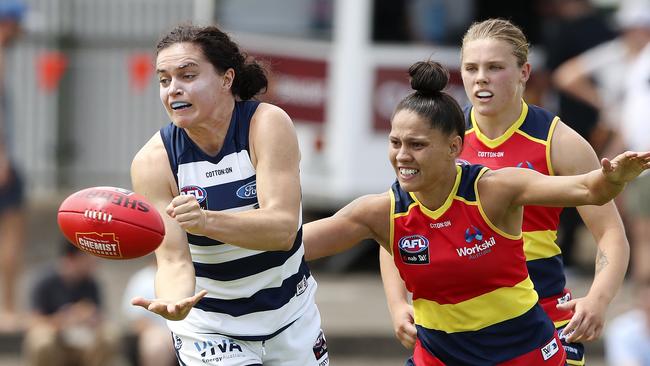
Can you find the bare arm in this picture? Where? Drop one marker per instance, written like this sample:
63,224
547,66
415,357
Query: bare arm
366,217
275,154
397,298
606,226
175,281
522,187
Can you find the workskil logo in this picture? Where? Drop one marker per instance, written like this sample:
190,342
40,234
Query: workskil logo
414,249
480,248
526,164
473,233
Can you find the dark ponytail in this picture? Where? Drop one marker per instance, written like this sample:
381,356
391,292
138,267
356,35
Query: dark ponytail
223,54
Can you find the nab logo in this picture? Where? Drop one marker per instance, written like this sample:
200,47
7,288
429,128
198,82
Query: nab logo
473,233
550,349
247,191
198,192
414,243
525,164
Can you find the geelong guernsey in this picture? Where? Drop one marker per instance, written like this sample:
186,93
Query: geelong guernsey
252,294
527,144
473,300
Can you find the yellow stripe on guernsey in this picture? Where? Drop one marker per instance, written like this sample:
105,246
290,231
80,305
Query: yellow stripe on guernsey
577,363
540,244
478,312
561,323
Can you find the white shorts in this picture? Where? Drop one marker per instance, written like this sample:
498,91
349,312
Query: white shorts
301,344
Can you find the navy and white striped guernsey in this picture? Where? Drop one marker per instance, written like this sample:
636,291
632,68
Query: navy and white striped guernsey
252,294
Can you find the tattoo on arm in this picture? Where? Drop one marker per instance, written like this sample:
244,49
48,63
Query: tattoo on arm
601,261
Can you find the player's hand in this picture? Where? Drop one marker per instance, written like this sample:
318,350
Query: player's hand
170,310
404,325
625,167
587,321
188,213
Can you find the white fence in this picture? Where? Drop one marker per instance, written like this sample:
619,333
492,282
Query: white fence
86,131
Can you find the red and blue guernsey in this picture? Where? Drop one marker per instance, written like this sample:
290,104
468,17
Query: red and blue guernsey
473,300
527,144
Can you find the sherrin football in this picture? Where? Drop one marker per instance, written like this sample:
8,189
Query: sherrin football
111,222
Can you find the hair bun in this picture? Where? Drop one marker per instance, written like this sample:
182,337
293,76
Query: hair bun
428,77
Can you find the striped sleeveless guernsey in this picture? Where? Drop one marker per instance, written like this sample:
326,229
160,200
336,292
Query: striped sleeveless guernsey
252,294
473,301
527,144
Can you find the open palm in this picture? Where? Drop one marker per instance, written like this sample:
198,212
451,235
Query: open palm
625,167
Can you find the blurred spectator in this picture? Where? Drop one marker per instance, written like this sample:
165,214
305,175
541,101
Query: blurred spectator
67,326
154,340
575,27
627,339
596,76
11,186
636,136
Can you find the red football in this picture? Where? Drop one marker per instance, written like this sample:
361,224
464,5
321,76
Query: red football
111,222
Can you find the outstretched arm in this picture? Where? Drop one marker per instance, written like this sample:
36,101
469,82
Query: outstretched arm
364,218
606,226
175,282
523,187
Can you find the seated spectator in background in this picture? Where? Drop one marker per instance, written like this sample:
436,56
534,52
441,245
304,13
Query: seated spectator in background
67,326
154,345
627,339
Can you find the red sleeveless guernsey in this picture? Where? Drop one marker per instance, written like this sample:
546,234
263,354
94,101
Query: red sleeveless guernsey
473,300
527,144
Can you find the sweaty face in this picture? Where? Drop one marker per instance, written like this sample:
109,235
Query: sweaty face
190,86
493,81
419,154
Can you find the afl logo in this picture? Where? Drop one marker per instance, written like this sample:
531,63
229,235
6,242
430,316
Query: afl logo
198,192
413,244
247,191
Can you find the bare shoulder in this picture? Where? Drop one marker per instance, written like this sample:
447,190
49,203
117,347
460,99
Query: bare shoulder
270,114
150,169
272,135
566,142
